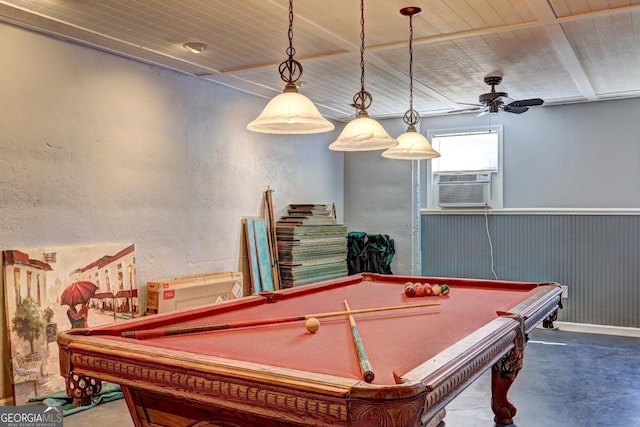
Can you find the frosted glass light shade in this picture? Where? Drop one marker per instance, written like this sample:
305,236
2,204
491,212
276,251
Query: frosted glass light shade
411,146
290,113
363,134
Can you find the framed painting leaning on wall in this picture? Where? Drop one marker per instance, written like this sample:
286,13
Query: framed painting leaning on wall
48,290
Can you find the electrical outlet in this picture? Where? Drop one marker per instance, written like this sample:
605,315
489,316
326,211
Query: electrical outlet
565,291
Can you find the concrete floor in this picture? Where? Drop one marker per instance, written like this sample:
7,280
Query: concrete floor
569,379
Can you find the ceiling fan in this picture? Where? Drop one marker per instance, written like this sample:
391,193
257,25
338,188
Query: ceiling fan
493,101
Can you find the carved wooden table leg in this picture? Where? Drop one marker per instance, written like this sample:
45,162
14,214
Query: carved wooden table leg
82,389
503,374
548,322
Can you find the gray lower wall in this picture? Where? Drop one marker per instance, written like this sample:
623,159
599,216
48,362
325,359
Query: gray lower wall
595,255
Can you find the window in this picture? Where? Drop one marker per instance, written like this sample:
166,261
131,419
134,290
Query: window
466,150
471,151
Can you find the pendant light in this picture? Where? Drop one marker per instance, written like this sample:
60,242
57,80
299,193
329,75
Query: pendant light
411,144
362,133
290,112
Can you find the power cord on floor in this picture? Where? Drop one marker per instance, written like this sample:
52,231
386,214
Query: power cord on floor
486,223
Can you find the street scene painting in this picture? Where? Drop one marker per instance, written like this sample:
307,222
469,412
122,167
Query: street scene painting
48,290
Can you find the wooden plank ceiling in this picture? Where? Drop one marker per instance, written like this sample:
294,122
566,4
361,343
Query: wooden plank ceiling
562,51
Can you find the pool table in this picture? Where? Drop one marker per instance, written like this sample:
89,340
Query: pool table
282,375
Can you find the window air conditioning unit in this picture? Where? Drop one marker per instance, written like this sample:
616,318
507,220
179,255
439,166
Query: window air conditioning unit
462,190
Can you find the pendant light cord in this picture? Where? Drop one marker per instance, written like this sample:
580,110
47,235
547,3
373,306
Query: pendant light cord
411,117
291,51
363,99
411,62
362,46
290,69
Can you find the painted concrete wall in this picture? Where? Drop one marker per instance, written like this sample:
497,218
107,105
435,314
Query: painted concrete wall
97,148
378,192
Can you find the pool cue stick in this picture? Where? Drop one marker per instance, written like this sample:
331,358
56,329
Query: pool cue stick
184,330
363,357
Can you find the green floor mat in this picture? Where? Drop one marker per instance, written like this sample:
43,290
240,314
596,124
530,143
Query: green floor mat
59,398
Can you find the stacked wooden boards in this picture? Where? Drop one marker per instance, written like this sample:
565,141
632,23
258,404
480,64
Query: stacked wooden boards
312,245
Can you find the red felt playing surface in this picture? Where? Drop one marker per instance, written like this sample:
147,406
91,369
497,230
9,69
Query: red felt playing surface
396,341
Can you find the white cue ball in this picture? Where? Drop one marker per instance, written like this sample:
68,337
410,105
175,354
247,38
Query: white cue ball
312,324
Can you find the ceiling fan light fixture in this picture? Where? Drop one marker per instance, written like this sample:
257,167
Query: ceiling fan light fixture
411,144
363,133
290,112
195,47
492,102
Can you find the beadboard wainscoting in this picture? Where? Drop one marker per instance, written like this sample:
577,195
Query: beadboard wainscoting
594,252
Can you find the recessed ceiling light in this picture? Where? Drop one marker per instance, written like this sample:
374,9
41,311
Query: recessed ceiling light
195,47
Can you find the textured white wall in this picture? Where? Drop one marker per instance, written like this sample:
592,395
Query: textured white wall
95,148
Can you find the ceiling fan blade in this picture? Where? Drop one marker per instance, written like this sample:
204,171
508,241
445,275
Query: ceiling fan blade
483,113
516,110
526,102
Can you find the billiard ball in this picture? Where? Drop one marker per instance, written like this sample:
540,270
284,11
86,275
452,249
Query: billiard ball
436,289
444,289
410,290
312,324
428,290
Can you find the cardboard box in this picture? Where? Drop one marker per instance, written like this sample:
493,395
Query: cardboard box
179,293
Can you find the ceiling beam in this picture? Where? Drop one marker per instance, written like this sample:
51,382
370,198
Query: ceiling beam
553,28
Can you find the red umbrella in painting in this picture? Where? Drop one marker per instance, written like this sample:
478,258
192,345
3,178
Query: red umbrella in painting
78,293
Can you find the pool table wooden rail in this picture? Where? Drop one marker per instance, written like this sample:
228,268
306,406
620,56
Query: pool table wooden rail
229,384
